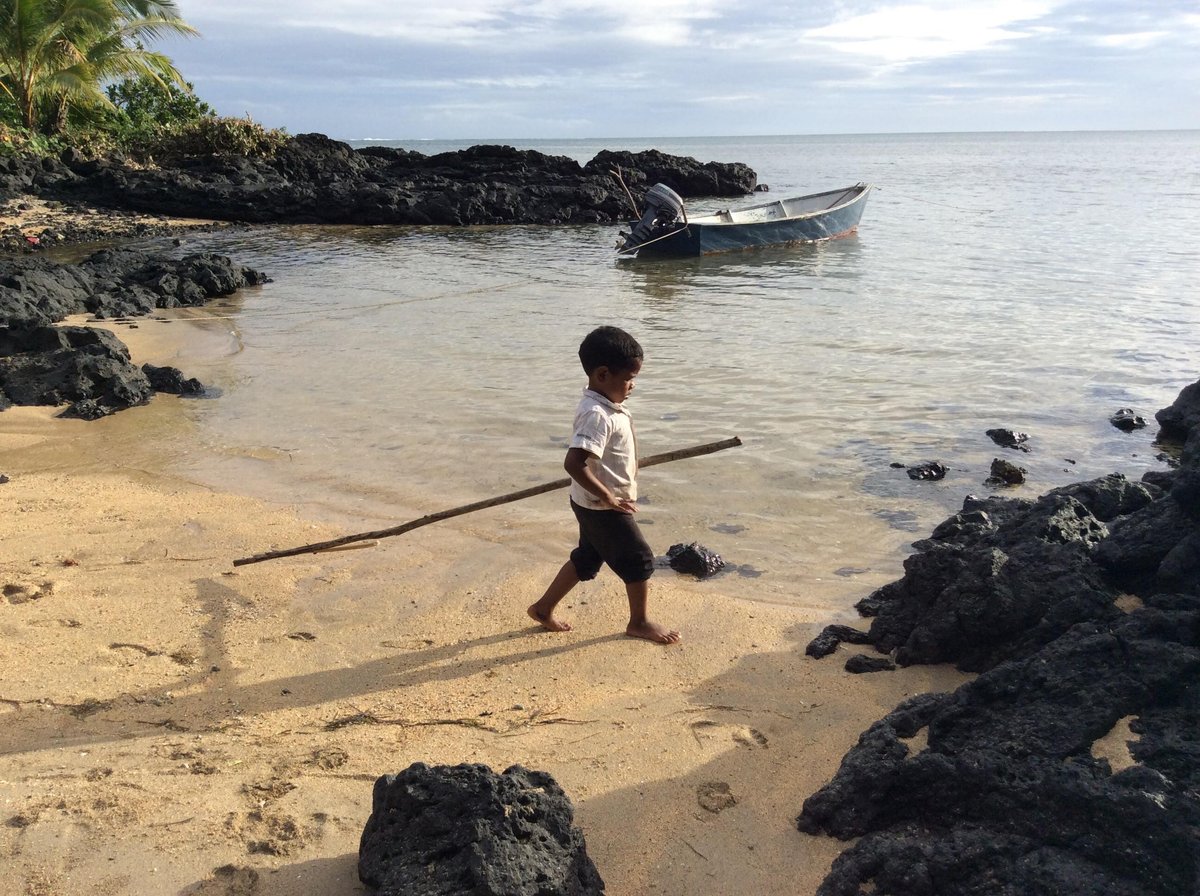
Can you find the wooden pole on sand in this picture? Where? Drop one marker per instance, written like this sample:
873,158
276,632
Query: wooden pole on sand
317,547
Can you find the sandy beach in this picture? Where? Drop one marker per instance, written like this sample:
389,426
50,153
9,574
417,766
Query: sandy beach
173,724
30,223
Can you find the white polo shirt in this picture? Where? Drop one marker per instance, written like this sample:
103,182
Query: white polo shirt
605,431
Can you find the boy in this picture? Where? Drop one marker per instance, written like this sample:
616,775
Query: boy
602,463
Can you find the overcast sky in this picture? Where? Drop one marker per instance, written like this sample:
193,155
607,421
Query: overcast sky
514,69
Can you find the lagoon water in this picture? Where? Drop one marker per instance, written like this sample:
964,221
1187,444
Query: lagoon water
1037,282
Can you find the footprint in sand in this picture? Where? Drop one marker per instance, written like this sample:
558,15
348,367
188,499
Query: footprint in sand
742,735
715,797
750,737
22,593
228,880
268,833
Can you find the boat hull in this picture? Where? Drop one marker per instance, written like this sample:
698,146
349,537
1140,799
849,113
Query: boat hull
696,238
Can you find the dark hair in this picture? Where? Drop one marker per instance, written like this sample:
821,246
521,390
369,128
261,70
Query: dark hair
609,347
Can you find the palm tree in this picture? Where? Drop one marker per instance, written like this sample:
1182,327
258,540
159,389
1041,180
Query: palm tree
57,54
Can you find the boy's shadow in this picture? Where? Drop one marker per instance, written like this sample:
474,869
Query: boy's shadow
219,692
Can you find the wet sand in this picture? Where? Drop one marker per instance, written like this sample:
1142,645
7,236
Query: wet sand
172,724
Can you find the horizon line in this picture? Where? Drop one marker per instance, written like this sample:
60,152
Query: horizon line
771,136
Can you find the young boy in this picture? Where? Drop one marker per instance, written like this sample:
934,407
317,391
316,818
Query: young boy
602,463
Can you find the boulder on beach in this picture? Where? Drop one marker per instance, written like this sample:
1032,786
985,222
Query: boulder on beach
448,830
87,369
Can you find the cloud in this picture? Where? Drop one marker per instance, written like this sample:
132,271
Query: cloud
685,67
477,22
918,32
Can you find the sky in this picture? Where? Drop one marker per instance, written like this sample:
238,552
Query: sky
554,69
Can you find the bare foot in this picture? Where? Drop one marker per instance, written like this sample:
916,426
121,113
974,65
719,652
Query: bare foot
652,631
547,620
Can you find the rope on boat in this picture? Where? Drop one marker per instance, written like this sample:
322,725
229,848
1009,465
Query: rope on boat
334,309
648,242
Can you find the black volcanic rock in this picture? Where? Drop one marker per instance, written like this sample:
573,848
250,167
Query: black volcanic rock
91,373
833,635
998,579
1127,420
930,470
450,830
313,179
694,559
88,368
1006,798
1004,472
862,662
172,380
997,789
1183,415
1007,438
687,177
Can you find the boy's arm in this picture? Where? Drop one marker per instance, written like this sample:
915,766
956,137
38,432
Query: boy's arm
577,468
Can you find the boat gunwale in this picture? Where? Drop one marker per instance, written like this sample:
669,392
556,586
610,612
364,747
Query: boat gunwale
860,190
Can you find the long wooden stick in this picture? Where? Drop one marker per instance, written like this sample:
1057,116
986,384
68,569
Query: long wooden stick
317,547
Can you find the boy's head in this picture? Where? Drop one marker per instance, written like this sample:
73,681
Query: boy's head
612,359
609,347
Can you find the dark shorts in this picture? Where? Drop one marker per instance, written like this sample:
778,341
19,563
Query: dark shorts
612,537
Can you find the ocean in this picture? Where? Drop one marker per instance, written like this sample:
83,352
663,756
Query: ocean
1032,281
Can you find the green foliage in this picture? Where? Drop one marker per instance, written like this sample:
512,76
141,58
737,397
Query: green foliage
56,54
144,109
16,140
143,103
210,135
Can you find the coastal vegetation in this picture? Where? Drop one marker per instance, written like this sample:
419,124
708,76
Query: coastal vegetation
80,74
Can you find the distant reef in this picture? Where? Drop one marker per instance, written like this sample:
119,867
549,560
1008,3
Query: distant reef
313,179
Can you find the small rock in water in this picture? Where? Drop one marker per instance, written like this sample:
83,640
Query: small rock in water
694,559
1004,473
1125,419
172,380
1007,438
930,470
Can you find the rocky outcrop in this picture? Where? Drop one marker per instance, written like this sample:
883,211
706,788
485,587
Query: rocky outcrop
1001,787
113,283
1006,797
90,369
1183,415
1005,576
448,830
315,180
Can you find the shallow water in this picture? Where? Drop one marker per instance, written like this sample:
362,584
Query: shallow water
1036,282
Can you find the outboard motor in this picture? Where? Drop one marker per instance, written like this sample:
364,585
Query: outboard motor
663,208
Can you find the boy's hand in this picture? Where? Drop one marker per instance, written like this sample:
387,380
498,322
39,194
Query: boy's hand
622,504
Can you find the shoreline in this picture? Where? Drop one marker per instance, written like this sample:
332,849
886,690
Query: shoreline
155,698
29,224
